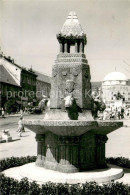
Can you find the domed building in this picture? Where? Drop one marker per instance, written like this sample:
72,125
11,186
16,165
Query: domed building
115,83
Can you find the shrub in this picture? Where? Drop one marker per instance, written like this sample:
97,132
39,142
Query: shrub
49,188
63,189
75,189
91,188
115,188
10,186
34,188
11,106
119,161
15,161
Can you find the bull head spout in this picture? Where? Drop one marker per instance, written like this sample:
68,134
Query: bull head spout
71,107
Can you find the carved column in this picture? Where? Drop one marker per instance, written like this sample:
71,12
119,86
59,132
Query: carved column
41,150
76,46
68,48
65,47
81,47
61,47
68,154
100,150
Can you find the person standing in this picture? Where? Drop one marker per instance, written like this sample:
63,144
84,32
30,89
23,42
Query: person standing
21,112
119,113
122,112
20,126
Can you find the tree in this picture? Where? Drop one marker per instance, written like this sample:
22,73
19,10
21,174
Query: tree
11,106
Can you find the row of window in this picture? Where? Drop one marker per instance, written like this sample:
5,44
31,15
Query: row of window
29,80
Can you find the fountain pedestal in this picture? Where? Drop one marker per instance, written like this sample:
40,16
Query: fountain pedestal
58,153
70,154
71,146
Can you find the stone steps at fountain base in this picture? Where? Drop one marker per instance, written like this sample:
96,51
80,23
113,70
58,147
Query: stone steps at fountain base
42,175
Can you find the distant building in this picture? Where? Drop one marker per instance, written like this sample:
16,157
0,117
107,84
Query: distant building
95,86
16,83
24,85
8,86
43,85
113,83
10,75
28,84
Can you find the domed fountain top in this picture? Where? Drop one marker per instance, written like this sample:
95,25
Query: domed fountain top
72,28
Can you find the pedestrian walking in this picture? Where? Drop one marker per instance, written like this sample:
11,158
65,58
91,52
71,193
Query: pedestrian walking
20,126
3,113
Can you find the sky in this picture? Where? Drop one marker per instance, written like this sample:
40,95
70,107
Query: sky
28,31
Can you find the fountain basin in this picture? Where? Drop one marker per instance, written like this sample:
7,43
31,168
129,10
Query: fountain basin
71,127
71,146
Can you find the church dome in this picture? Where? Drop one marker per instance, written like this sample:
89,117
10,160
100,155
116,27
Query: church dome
115,76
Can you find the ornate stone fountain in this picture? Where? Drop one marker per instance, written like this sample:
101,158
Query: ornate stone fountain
68,138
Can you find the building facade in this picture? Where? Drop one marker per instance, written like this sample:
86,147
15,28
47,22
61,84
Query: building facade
7,86
114,83
28,85
10,78
43,85
16,83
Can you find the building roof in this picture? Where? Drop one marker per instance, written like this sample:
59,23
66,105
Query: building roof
115,76
42,77
72,27
11,60
5,77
